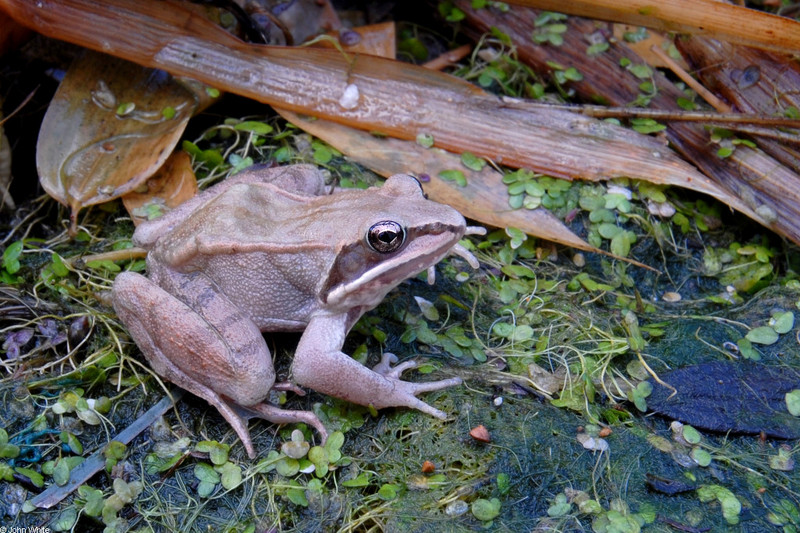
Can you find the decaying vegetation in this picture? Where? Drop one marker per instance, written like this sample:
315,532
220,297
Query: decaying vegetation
684,212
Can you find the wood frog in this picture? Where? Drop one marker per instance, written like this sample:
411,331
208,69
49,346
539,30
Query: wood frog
271,250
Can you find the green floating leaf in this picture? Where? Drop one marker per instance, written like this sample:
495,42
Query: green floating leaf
71,442
319,456
168,112
747,350
701,457
334,442
609,231
428,309
287,467
297,494
63,468
560,507
388,491
415,47
59,267
597,48
94,500
253,126
691,435
731,506
205,472
517,237
783,461
762,335
65,520
639,395
503,481
362,480
114,450
486,510
7,450
725,151
621,244
425,140
793,402
104,264
454,175
230,475
782,322
11,257
472,162
36,478
322,155
647,125
217,452
641,71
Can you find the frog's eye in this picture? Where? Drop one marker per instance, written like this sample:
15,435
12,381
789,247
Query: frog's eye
386,236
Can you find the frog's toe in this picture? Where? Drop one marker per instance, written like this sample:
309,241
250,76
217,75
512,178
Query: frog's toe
428,386
419,405
406,392
288,386
385,368
277,415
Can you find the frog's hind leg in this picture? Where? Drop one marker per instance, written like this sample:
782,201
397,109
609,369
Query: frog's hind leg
143,306
224,361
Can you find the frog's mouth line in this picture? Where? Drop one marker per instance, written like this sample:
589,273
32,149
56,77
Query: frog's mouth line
424,247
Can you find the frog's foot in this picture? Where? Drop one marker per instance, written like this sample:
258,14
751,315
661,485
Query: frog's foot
393,373
277,415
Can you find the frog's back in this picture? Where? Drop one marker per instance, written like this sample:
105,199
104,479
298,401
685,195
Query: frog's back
251,241
246,216
304,180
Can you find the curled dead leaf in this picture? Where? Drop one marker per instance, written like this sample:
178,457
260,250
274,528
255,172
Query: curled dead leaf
110,126
170,186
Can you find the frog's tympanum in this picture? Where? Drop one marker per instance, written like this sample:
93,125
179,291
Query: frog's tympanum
271,250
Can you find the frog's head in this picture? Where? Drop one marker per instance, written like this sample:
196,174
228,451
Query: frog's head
401,234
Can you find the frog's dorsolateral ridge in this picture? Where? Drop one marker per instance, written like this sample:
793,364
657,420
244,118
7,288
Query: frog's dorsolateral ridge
270,250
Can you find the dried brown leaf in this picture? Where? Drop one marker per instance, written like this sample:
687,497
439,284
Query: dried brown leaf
90,150
170,186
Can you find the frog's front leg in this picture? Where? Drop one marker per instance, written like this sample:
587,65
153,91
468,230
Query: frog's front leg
320,364
205,345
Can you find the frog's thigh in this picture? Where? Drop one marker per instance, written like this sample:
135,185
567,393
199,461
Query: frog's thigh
227,356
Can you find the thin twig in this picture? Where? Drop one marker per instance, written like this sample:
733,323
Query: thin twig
687,78
54,494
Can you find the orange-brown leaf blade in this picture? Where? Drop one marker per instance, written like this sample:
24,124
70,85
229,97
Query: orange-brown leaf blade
109,127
